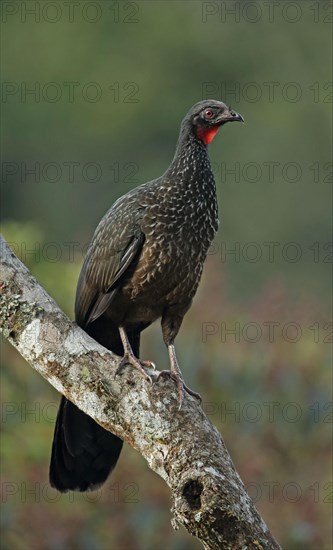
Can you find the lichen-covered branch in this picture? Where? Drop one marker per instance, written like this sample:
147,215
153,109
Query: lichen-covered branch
183,447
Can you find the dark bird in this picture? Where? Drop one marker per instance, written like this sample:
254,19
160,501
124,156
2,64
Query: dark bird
144,263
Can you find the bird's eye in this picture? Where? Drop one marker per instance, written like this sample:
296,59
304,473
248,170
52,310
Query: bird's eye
208,113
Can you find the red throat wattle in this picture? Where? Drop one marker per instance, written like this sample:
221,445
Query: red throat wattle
207,134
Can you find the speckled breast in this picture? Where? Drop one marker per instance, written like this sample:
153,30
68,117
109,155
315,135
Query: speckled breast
178,233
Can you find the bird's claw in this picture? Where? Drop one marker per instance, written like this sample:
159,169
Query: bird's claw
129,359
181,387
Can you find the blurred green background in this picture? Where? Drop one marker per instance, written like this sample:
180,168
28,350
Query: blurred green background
92,97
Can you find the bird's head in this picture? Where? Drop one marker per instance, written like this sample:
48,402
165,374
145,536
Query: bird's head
206,117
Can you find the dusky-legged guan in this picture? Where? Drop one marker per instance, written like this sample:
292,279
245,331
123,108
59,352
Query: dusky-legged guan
144,263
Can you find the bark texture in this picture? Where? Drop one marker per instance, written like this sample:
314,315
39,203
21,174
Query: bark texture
183,447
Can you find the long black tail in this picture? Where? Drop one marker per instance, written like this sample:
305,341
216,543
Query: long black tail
83,453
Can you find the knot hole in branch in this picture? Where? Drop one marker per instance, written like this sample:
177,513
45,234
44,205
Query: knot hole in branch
192,492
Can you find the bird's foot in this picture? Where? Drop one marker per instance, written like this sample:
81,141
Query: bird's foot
181,386
130,359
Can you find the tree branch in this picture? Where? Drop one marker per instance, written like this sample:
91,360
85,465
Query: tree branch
184,448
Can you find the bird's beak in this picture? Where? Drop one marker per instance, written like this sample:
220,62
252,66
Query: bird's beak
230,116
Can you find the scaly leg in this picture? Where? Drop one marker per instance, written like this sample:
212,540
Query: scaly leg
176,375
130,359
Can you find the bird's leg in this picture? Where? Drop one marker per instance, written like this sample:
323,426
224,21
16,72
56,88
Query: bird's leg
176,375
171,321
130,359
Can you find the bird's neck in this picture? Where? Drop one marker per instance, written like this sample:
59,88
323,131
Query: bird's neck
191,161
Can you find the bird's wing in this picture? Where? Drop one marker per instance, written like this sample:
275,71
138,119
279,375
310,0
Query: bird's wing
117,242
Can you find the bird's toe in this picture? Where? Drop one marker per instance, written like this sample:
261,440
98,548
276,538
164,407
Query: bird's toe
181,387
139,365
